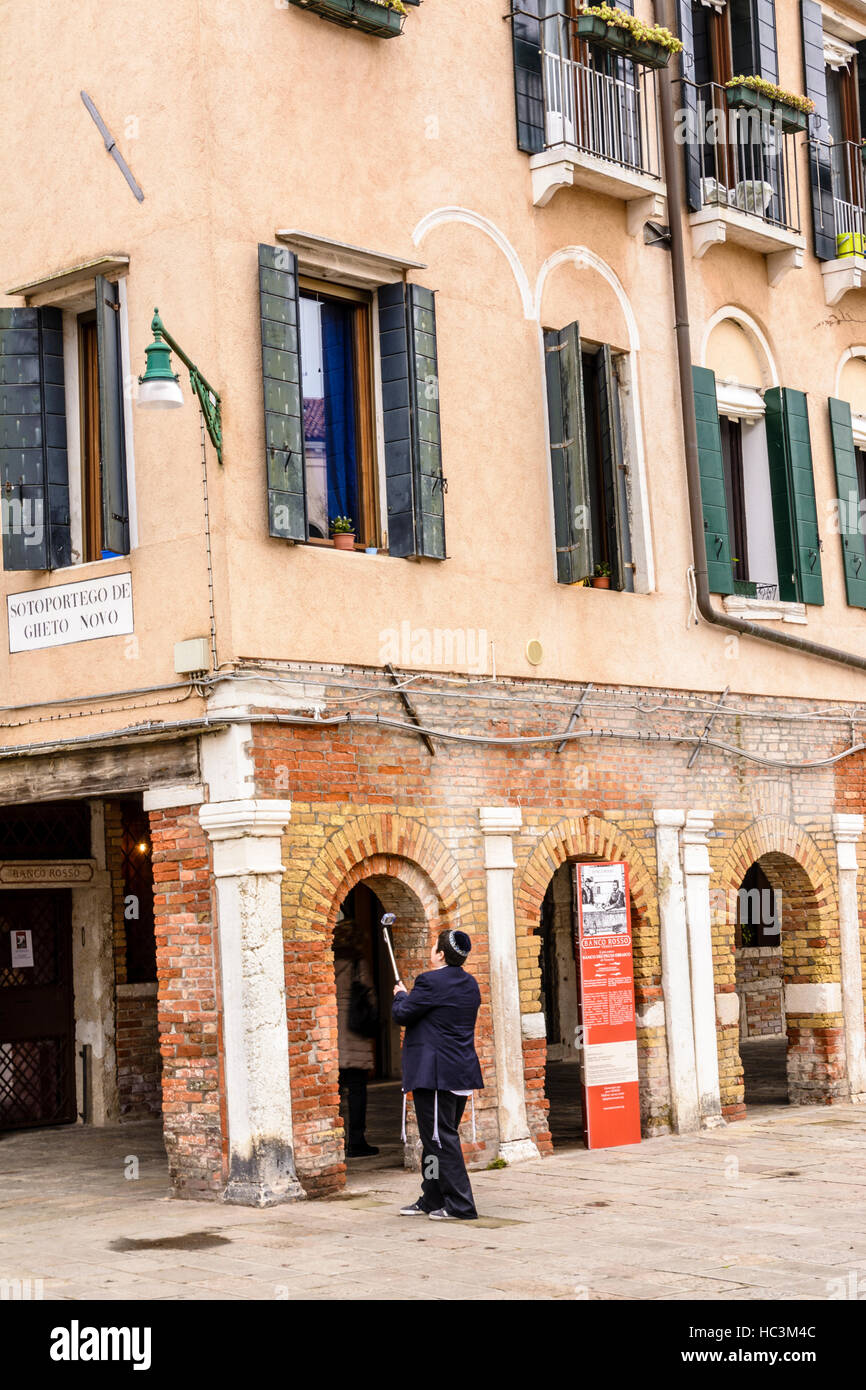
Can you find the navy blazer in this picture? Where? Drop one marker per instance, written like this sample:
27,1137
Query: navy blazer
439,1045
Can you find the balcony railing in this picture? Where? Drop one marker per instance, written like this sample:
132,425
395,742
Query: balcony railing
849,196
746,162
599,103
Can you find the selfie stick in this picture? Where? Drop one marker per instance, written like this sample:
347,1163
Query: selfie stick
388,921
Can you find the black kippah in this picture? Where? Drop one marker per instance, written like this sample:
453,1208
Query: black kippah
459,942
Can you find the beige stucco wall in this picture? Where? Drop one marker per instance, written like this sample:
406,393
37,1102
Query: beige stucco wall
241,117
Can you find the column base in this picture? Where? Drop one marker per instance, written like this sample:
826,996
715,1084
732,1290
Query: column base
253,1184
713,1122
518,1150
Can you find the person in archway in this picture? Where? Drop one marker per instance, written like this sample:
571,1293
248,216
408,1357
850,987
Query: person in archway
441,1069
356,1050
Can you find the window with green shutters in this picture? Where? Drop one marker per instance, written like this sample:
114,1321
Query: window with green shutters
793,512
849,500
321,410
590,503
38,530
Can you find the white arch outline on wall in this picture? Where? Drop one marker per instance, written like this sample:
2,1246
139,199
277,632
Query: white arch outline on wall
858,350
442,216
752,330
583,258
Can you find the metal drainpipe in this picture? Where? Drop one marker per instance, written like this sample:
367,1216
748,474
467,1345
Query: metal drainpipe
664,12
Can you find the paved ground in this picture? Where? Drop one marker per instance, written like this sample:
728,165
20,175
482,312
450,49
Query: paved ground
772,1207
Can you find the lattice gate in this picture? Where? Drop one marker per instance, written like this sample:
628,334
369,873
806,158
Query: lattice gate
37,1077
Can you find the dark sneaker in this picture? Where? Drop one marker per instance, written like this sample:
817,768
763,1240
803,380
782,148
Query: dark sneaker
442,1215
362,1151
416,1209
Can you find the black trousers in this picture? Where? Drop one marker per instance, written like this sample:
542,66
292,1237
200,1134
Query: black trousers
445,1180
353,1080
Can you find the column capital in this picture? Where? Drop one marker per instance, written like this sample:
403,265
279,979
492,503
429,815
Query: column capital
846,827
697,827
246,835
674,819
500,820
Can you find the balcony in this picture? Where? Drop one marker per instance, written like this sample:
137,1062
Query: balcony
749,185
844,160
601,130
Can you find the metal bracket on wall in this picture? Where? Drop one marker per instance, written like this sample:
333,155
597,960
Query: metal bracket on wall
575,715
410,708
709,724
656,234
111,146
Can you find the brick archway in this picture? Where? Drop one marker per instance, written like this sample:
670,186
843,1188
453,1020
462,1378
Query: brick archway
580,839
413,874
810,956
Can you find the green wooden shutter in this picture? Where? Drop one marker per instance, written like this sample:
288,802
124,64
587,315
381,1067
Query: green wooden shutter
410,408
568,461
615,498
281,379
33,461
112,435
792,486
528,79
720,574
848,490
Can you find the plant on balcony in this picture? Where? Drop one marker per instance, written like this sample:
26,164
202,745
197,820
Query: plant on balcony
609,27
601,577
383,18
792,112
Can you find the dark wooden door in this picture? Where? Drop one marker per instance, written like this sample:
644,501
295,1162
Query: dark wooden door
37,1074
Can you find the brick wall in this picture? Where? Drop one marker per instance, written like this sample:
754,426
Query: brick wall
370,801
188,1003
759,986
139,1064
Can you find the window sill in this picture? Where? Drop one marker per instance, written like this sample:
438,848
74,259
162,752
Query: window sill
844,274
717,223
358,548
566,166
764,610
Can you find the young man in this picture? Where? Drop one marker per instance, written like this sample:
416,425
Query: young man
441,1068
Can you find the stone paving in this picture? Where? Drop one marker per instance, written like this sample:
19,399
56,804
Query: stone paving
772,1207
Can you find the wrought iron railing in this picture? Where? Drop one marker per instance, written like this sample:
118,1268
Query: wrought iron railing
598,102
849,195
755,588
746,161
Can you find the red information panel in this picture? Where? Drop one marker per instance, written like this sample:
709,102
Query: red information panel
611,1104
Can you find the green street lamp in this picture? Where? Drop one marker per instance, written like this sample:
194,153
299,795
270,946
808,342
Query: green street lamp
159,388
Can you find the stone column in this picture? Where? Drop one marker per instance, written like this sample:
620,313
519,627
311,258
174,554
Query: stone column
246,837
847,830
696,867
676,978
498,824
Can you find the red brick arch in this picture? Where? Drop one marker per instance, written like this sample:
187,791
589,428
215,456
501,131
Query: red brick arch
414,875
797,869
586,838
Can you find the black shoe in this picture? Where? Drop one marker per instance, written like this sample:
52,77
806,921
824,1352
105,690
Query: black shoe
415,1209
364,1150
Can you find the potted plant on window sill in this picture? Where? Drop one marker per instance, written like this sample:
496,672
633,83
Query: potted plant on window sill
343,533
791,112
384,18
615,29
601,577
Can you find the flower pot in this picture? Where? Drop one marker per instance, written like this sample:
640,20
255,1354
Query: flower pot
371,550
620,40
344,540
789,117
365,15
600,581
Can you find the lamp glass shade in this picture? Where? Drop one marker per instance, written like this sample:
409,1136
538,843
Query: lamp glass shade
159,393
